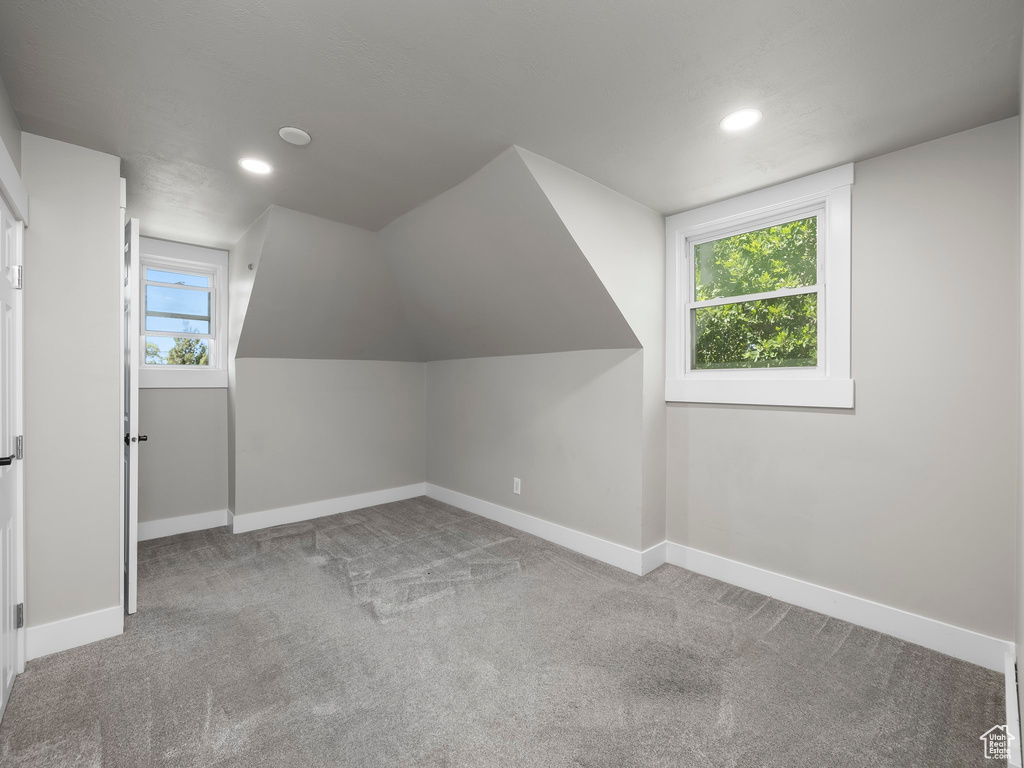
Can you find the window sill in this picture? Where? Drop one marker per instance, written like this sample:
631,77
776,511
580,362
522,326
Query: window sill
216,378
799,393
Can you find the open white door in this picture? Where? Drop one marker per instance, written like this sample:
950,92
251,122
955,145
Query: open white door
12,656
130,400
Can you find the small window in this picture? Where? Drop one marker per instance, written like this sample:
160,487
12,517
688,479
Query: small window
182,315
179,316
758,297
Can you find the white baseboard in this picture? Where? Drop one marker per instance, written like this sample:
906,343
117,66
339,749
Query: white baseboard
172,526
61,635
600,549
267,518
1012,710
653,557
945,638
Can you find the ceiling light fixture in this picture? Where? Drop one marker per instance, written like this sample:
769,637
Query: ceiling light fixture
740,119
295,136
252,165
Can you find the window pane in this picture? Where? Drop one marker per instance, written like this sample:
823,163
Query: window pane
783,256
177,302
771,333
161,350
176,324
181,278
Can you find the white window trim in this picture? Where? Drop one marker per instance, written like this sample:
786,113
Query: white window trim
829,385
187,258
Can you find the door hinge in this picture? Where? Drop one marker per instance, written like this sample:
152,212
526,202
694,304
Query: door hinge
18,275
19,613
19,447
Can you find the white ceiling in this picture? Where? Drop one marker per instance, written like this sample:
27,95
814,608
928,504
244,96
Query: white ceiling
406,98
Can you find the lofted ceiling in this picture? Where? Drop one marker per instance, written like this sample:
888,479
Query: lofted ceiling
405,98
322,290
487,268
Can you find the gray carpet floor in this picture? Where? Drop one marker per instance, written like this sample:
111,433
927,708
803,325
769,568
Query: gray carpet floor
416,634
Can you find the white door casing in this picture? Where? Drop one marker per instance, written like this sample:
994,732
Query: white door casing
12,637
130,403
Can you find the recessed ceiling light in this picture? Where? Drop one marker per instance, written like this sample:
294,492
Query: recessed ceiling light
743,118
295,136
253,165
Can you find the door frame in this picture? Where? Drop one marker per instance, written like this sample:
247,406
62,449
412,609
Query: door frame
19,410
129,537
12,190
121,525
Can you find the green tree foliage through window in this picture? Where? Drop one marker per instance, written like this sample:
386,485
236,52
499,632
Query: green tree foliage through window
188,352
779,331
185,351
153,354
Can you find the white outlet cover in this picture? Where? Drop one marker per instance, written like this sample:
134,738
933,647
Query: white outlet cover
516,485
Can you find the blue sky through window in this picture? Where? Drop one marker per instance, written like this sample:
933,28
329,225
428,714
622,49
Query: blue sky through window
192,308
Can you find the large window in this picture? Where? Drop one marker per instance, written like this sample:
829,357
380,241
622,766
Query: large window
759,297
182,314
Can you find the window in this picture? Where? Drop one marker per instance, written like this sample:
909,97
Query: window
183,317
759,297
178,311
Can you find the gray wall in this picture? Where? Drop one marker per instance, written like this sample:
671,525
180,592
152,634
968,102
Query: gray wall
910,499
625,244
1019,602
72,403
488,268
307,430
10,128
240,281
322,290
568,424
183,467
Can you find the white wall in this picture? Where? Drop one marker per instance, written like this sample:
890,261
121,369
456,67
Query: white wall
308,430
183,466
568,424
73,447
910,499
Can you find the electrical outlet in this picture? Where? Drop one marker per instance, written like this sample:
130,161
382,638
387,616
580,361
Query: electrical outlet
517,485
